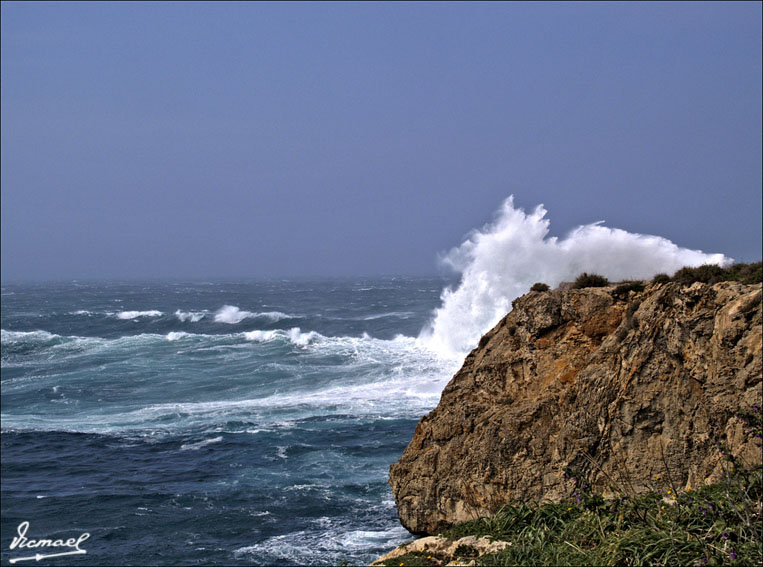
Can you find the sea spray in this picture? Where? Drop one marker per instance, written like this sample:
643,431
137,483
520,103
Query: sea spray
500,262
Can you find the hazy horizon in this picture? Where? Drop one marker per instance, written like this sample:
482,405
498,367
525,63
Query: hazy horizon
205,141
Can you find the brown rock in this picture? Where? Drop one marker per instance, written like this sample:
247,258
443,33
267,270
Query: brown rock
622,389
446,549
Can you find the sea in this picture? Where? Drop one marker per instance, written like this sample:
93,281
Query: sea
212,423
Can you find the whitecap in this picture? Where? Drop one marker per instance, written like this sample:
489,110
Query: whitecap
397,314
274,315
231,315
192,316
177,335
200,444
293,335
15,337
128,315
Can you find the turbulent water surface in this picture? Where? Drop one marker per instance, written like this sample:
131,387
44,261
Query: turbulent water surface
212,423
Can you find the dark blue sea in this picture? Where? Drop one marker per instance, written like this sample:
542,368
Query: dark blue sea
212,423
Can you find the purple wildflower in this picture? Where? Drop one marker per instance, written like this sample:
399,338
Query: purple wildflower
733,554
725,535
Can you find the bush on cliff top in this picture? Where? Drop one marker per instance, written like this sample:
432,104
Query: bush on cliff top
589,280
661,278
624,288
713,273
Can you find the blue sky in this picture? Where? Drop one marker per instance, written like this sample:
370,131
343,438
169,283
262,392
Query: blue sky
227,140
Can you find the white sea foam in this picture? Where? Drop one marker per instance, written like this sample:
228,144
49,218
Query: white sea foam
397,314
261,336
293,335
192,316
136,314
231,314
177,335
200,444
353,375
500,262
375,378
15,337
332,536
274,315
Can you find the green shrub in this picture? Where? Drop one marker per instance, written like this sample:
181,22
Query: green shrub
746,273
539,287
464,550
414,559
623,288
707,273
589,280
660,279
712,273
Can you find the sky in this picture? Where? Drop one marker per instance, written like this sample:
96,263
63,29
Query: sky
249,140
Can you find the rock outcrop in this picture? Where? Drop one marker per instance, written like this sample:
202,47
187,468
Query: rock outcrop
620,385
447,551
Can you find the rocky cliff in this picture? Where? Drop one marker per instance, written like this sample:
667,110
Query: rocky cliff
620,385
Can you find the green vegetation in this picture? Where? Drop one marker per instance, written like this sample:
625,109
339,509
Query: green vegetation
661,278
623,288
746,273
589,280
718,524
708,273
712,273
539,287
415,559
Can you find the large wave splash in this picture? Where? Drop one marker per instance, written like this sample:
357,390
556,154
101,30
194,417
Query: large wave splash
500,262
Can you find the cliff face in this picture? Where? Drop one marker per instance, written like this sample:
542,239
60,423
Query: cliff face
641,384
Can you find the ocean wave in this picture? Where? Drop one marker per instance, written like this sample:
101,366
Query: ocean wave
275,315
191,316
395,314
293,335
200,444
368,377
15,337
232,315
177,335
334,539
129,315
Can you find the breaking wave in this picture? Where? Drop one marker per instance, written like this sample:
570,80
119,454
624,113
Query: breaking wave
136,314
500,262
192,316
232,315
294,335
